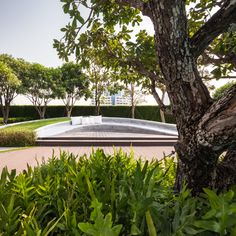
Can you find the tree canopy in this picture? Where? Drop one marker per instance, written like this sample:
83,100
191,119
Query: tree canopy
74,85
41,86
185,31
12,72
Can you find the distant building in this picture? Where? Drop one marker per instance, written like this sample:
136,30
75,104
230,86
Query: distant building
118,99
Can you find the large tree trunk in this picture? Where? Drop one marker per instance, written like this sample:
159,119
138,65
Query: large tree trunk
198,147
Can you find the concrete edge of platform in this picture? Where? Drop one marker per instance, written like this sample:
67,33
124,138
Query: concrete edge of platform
58,128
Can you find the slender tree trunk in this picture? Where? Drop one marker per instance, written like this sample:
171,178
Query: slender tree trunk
41,109
162,113
97,103
41,112
98,107
69,110
44,111
160,101
97,100
132,101
5,108
69,104
5,112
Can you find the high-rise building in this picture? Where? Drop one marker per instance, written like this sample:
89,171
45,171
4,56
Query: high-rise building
107,99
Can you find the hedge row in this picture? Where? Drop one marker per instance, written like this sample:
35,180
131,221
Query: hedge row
17,138
16,119
142,112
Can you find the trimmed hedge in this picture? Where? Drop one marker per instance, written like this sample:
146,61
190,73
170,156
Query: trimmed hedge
16,119
17,138
142,112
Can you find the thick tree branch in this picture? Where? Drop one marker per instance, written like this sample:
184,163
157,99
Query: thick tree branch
217,128
225,172
217,24
156,96
230,58
141,69
133,62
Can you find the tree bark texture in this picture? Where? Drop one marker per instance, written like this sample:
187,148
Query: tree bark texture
162,113
41,112
132,101
68,111
69,102
5,112
206,128
5,106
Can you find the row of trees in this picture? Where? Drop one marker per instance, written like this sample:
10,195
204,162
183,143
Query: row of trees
189,35
40,84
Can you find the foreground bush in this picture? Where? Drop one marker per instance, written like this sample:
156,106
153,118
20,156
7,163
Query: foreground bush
108,196
17,138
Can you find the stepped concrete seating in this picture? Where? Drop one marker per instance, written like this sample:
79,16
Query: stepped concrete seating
112,131
111,124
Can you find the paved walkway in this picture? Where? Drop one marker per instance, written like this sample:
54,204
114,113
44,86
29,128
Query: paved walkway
18,159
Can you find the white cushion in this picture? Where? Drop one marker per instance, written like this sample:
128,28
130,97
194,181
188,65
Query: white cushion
97,119
91,120
85,120
76,120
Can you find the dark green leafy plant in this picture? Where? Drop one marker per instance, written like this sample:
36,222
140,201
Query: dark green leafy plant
127,197
101,226
219,93
221,217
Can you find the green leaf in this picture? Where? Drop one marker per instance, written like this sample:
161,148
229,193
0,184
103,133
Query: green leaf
150,224
213,198
208,225
135,230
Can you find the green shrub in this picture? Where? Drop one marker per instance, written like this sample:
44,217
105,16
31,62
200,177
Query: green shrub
219,92
12,120
108,195
17,138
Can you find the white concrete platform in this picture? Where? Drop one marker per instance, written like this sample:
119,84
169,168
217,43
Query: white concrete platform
110,124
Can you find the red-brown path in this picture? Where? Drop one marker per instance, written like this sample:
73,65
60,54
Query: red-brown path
18,159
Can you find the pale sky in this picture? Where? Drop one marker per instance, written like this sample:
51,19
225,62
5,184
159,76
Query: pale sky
28,27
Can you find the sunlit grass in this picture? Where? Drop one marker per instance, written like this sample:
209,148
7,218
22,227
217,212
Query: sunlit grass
37,124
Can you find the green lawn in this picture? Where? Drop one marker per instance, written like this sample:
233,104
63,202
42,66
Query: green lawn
37,124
